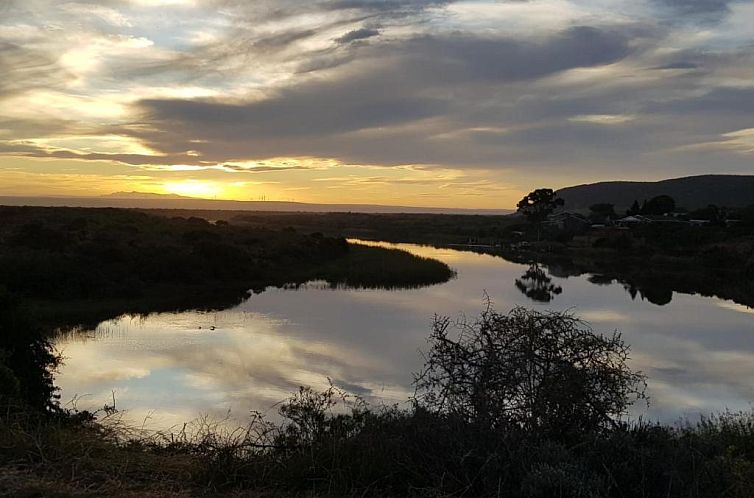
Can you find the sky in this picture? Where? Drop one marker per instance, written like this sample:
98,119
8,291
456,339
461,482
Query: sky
417,102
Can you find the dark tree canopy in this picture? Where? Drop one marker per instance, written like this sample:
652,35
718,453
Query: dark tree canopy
27,358
539,204
634,209
662,204
603,210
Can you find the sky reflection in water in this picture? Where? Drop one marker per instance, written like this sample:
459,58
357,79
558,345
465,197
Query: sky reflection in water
170,368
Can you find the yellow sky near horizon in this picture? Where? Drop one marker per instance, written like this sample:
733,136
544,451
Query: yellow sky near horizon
315,182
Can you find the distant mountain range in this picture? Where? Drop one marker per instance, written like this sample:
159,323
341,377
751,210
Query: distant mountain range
172,201
690,192
143,195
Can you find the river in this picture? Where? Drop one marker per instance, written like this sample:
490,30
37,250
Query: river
165,369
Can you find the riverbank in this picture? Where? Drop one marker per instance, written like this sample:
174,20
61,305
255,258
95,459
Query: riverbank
330,447
653,275
78,266
656,260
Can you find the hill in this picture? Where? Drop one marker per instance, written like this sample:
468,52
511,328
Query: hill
690,192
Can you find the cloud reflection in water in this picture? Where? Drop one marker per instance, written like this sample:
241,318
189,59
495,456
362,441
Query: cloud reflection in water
172,367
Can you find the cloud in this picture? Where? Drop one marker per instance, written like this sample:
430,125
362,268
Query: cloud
694,7
547,89
678,65
25,68
358,34
316,115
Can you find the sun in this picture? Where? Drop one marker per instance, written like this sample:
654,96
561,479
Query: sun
194,188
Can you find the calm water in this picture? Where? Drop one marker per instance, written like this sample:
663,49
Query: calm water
170,368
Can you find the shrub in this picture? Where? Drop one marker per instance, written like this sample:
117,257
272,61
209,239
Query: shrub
538,372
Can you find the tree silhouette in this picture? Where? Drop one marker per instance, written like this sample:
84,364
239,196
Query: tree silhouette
602,211
537,205
634,209
662,204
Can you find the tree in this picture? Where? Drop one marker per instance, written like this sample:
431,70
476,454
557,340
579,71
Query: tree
546,373
27,358
537,205
634,209
602,211
662,204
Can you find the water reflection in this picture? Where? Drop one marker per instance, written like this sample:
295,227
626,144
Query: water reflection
652,291
537,286
655,294
169,368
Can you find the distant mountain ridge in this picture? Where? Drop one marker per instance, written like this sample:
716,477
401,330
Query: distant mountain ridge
691,192
142,195
173,201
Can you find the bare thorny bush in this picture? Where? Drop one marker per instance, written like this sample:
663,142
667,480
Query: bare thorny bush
543,372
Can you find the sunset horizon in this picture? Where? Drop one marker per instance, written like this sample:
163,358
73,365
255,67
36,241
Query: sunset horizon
377,248
462,104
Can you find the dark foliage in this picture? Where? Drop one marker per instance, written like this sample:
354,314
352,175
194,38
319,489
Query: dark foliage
27,358
543,423
539,204
599,213
68,254
660,205
543,373
522,405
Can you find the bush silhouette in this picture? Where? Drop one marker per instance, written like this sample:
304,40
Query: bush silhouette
537,372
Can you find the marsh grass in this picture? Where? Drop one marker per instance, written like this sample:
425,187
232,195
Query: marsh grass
79,266
329,444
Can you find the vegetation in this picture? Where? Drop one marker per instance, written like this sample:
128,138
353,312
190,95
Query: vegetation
415,228
523,404
599,213
542,373
708,251
117,261
536,206
657,206
27,359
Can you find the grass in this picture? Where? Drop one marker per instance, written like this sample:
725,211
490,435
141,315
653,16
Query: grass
333,444
81,266
72,456
329,443
347,449
401,227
